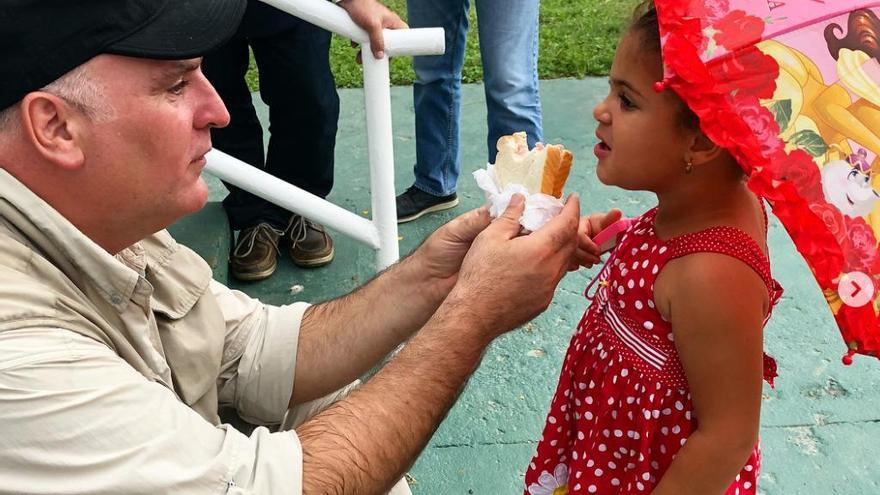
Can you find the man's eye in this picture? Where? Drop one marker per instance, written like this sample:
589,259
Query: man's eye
179,87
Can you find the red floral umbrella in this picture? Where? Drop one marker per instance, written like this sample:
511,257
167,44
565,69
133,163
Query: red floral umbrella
792,89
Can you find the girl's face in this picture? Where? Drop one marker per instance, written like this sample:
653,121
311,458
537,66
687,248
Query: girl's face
643,144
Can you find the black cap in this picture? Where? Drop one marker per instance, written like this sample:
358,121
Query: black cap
41,40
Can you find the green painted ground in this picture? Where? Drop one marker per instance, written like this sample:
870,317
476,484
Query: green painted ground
820,426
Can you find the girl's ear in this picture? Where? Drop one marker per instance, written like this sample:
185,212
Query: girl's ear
702,150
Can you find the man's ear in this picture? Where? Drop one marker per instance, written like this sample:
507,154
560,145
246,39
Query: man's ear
702,150
54,128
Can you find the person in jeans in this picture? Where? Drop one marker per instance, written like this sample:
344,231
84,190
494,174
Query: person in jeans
508,35
296,83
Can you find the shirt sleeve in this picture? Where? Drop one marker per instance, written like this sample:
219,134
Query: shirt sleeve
259,358
77,419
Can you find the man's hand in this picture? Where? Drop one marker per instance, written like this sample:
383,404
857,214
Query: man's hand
439,257
587,253
507,279
373,17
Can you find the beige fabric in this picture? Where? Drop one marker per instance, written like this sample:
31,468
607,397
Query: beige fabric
111,368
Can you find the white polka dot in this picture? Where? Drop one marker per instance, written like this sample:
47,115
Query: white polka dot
639,305
640,486
577,487
662,250
588,416
647,476
590,463
580,435
648,325
645,264
589,399
620,290
598,471
749,467
645,246
650,304
618,433
615,481
621,304
602,447
551,420
592,489
631,284
641,282
612,465
747,485
574,455
655,269
676,429
624,372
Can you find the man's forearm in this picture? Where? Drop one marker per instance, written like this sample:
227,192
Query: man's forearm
364,443
343,338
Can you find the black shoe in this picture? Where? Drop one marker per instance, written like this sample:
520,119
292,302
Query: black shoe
414,203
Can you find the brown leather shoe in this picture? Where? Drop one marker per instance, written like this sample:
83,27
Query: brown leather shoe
255,256
310,245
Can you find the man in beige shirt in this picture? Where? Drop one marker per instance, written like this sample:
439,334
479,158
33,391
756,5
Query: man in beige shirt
117,348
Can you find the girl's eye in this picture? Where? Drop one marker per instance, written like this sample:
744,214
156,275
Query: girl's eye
853,173
178,88
625,102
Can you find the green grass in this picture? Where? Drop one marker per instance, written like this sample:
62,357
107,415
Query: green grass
577,39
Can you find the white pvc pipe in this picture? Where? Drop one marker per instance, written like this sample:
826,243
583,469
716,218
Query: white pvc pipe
425,41
380,145
292,198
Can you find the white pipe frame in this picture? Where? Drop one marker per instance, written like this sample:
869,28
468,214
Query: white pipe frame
381,232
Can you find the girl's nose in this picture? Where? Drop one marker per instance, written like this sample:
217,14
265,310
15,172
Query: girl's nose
601,113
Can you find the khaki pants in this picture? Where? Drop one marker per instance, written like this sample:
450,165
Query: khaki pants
295,417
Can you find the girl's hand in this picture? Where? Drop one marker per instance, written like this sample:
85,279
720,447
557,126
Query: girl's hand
587,252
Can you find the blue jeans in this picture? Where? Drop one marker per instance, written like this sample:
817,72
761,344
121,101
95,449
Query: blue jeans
508,32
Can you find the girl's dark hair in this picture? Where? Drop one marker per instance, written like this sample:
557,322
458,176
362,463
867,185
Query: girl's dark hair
864,30
646,26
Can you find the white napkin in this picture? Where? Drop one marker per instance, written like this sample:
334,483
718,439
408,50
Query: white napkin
540,208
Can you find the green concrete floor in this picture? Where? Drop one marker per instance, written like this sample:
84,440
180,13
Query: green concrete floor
821,424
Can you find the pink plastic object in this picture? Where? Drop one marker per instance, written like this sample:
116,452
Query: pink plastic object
607,239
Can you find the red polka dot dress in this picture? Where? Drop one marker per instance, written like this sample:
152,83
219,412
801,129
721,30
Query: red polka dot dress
622,408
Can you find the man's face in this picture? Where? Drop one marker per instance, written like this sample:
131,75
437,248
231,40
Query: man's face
148,156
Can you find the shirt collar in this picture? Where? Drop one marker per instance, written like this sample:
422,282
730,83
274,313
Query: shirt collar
112,277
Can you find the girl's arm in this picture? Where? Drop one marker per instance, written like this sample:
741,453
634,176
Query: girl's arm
716,305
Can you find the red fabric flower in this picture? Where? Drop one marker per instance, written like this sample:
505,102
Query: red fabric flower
761,122
748,72
833,219
860,250
799,169
738,29
710,10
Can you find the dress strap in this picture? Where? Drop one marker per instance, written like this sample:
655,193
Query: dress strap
729,241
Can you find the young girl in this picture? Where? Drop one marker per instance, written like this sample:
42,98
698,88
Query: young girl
660,391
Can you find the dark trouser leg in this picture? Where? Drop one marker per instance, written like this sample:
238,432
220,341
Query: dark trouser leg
243,137
298,86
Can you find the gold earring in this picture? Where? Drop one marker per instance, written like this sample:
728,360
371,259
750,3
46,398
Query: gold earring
689,167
